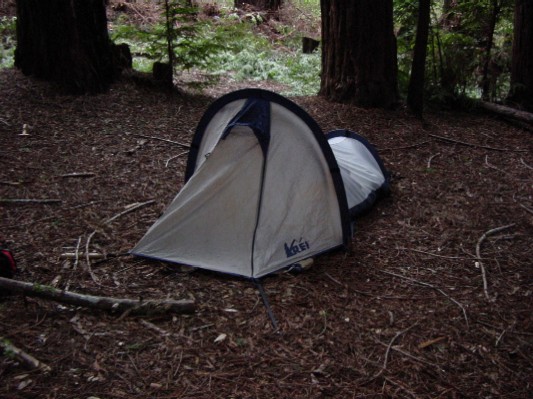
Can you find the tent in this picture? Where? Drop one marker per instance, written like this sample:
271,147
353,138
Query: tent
363,173
262,191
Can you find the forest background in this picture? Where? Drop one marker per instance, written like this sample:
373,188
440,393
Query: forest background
469,49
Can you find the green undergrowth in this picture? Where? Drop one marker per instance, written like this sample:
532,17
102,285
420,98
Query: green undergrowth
230,44
7,42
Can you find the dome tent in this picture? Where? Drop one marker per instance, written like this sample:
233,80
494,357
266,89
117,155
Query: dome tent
262,191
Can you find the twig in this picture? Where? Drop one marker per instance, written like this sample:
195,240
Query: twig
334,279
431,159
404,148
409,355
76,255
526,208
88,258
474,145
478,254
433,254
525,164
10,349
76,262
161,139
130,209
119,305
492,166
389,346
174,157
29,201
77,259
153,327
80,174
432,287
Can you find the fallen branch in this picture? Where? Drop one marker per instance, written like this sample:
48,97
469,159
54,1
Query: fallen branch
174,157
76,255
389,346
165,140
431,159
474,145
11,183
525,164
507,111
404,148
424,284
478,255
526,208
117,305
11,350
78,174
29,201
433,254
131,208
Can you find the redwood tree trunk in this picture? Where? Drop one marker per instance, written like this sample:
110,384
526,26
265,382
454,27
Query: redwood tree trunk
65,41
522,64
493,19
415,94
359,52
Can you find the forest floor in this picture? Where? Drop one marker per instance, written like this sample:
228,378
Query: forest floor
409,311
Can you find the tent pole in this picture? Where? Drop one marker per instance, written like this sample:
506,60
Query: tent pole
267,305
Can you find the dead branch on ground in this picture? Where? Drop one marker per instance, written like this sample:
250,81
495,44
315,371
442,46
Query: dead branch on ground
78,174
526,208
478,255
162,139
130,208
11,350
29,201
474,145
119,305
424,284
507,111
387,352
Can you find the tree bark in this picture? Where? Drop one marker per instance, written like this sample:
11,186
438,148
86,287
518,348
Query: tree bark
67,42
493,19
521,92
415,94
359,53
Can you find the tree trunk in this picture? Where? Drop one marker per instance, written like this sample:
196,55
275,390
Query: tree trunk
65,41
415,94
359,53
521,92
271,5
493,19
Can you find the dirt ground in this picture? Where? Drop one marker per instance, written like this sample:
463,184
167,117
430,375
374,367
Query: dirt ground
409,311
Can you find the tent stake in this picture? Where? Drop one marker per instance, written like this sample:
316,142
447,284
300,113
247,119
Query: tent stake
267,305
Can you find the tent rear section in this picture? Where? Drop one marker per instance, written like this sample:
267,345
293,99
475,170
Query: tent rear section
363,173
